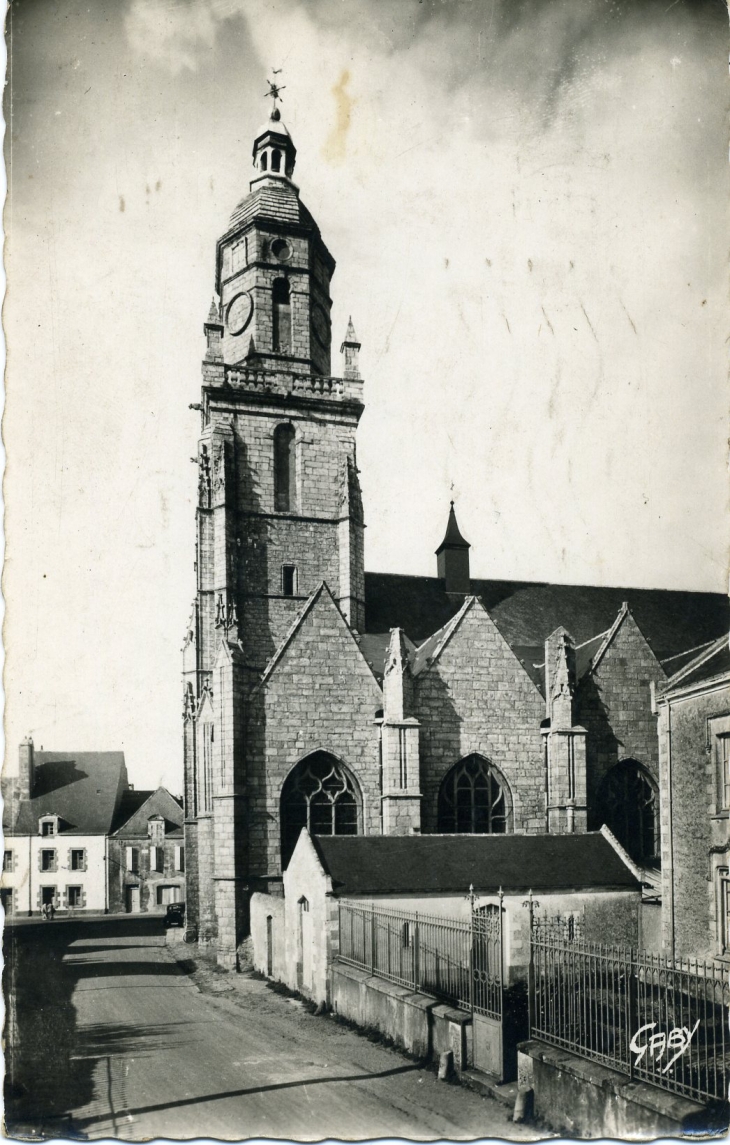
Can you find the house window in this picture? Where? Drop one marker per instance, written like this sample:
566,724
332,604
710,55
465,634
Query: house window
281,316
179,858
132,859
157,859
628,803
474,800
73,895
6,899
723,904
7,861
722,761
48,860
48,827
289,580
321,795
285,469
166,895
78,860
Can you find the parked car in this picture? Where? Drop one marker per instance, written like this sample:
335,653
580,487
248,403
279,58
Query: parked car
175,914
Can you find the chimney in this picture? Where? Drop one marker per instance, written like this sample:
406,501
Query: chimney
26,770
452,558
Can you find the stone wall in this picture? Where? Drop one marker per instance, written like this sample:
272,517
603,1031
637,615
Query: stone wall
320,696
614,705
477,697
269,938
695,830
145,878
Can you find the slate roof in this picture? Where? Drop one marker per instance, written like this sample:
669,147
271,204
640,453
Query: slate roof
83,788
138,807
453,538
712,661
433,864
526,613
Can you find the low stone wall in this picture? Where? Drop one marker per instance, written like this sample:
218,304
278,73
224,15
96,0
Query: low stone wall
580,1098
417,1022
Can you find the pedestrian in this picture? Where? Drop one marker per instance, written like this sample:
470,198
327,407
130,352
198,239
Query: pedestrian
51,911
44,911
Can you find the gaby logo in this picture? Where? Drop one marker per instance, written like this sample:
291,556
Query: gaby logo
676,1042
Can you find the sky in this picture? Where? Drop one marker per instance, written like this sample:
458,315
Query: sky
527,202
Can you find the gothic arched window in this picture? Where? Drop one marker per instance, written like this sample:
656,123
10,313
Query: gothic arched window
276,160
321,795
285,469
281,316
474,800
628,803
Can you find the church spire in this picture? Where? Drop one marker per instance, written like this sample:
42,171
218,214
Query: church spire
452,558
351,350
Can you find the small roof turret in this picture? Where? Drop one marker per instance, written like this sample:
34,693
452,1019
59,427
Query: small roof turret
452,558
453,538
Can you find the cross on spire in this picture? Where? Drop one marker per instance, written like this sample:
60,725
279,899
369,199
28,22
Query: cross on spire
275,89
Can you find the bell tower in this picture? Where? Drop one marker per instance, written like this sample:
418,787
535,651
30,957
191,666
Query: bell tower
273,270
279,509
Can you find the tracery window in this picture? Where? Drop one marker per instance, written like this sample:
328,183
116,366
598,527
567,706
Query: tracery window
474,799
628,804
322,796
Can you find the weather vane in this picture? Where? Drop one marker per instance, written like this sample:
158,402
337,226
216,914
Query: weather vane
275,89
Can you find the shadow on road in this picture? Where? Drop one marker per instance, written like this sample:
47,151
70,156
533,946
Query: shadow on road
201,1099
50,1063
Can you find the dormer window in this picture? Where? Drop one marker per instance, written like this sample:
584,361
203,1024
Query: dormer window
156,830
48,825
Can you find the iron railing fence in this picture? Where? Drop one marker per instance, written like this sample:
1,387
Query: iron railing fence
656,1019
457,960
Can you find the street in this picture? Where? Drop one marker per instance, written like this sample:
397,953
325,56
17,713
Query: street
113,1038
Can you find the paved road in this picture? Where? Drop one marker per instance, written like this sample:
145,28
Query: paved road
158,1058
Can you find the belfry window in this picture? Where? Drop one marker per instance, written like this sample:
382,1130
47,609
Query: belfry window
281,316
289,580
264,160
276,160
322,796
628,803
285,469
474,800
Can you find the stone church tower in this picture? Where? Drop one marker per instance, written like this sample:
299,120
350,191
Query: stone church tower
279,505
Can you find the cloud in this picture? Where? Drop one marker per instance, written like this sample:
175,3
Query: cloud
173,33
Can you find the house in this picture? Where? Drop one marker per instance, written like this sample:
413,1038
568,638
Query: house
319,695
57,817
581,880
147,853
694,751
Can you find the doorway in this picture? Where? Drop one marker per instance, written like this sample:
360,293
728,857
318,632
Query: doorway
304,961
132,900
48,896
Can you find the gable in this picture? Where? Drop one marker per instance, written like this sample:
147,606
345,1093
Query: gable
626,647
320,657
473,649
160,803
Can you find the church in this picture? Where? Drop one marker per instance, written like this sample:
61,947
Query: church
318,695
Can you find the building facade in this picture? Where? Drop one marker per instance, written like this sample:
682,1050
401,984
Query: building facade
694,744
146,853
57,818
318,695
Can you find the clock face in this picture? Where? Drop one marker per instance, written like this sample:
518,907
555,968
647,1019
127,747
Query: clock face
239,313
320,325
